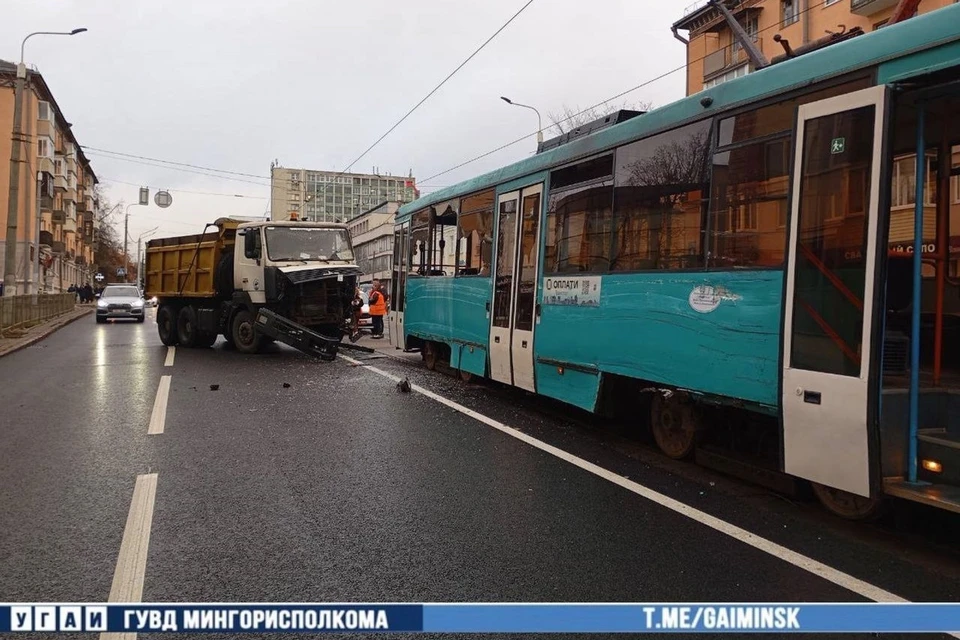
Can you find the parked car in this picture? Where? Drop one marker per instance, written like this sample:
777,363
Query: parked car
366,322
120,301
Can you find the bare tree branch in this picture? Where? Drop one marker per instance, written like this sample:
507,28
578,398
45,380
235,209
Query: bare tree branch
569,118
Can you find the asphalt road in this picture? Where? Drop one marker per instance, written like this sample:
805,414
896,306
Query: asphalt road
297,480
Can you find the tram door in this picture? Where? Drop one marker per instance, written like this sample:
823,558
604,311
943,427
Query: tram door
829,296
515,287
398,287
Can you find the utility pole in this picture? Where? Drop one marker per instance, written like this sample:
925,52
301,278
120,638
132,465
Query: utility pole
13,197
126,246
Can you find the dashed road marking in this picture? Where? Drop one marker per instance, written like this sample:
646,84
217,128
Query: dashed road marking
171,354
132,560
837,577
159,415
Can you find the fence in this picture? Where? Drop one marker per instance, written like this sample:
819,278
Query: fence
20,312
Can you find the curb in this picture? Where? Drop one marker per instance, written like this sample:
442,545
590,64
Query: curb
37,338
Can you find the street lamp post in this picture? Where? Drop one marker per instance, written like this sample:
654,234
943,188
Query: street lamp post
143,235
526,106
13,198
126,241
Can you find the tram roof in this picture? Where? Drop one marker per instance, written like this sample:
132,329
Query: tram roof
901,50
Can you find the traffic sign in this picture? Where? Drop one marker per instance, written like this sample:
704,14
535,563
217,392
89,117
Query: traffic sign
163,199
99,277
121,272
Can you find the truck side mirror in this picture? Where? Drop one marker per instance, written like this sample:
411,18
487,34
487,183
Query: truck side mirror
251,248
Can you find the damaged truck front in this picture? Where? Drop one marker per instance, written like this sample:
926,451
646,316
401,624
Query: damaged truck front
253,282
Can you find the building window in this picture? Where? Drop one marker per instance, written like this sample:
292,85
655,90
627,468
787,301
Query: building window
904,192
580,218
44,112
660,184
827,3
789,12
45,147
475,234
739,72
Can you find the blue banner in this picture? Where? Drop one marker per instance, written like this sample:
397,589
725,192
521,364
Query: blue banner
483,618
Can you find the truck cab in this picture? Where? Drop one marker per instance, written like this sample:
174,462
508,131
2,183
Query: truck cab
216,283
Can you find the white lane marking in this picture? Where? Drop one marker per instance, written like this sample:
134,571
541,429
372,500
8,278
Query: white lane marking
132,560
159,415
171,353
815,567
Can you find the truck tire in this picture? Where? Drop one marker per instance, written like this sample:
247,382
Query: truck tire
245,337
187,330
167,325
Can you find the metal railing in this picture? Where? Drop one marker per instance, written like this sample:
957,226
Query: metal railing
21,312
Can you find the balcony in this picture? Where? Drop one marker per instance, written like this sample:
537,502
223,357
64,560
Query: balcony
46,128
870,7
71,164
60,182
70,193
726,58
70,225
59,216
58,248
46,238
47,166
88,202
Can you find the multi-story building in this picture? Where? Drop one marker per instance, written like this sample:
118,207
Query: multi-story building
714,55
56,183
329,196
372,235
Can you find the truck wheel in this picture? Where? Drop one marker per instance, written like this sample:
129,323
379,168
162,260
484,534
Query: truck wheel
245,337
167,325
187,326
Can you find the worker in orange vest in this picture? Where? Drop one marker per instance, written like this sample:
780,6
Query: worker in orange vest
378,309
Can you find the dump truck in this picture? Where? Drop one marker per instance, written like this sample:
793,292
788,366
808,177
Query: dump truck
254,282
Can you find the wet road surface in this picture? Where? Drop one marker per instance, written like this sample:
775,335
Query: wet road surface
281,478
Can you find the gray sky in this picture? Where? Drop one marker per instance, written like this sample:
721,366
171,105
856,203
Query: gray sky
235,85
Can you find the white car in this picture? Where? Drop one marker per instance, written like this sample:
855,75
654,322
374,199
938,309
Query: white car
366,322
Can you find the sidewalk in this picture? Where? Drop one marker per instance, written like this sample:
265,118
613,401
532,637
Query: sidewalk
36,333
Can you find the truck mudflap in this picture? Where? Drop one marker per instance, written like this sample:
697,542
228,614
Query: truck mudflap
299,337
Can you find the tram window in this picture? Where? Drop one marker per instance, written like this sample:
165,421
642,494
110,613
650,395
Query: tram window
475,234
750,185
583,172
779,117
580,229
443,240
419,243
661,183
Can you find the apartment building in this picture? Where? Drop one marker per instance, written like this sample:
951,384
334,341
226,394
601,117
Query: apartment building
714,55
56,185
372,235
329,196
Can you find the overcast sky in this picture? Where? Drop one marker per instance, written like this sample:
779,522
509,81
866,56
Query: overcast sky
234,85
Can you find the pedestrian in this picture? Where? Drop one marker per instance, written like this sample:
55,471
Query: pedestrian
378,309
73,289
88,292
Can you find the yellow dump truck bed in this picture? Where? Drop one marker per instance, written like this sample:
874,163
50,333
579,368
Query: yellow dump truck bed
186,266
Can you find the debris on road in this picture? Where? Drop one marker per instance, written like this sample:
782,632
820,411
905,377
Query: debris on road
286,385
404,386
214,387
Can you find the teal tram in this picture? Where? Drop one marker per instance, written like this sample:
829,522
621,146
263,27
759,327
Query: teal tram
772,265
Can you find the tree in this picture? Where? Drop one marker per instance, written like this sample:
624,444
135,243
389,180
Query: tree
572,117
109,255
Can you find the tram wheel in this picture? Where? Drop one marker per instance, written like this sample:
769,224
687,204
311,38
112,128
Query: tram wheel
430,355
847,505
675,425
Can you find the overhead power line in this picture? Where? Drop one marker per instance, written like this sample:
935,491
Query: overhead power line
177,168
173,162
200,193
437,88
600,104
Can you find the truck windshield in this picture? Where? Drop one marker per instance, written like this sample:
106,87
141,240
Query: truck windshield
308,243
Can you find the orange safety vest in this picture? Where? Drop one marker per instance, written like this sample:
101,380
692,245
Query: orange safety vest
378,308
